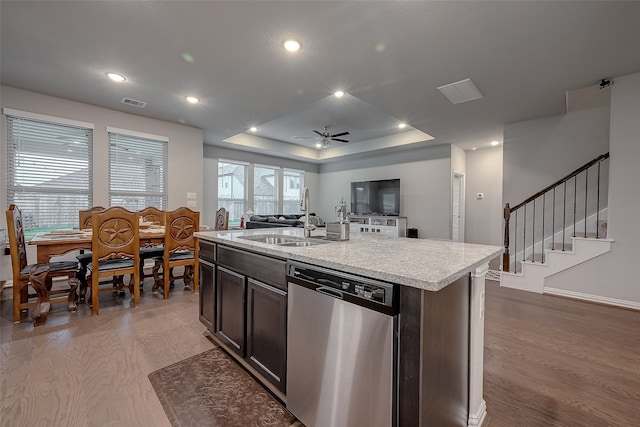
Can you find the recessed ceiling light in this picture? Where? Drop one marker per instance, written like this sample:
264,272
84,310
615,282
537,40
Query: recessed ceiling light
253,129
339,94
291,45
474,148
192,100
318,145
402,125
116,77
494,143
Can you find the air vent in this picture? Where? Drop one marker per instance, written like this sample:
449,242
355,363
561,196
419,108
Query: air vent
461,91
133,102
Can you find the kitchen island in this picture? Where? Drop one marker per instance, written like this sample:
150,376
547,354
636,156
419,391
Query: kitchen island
439,325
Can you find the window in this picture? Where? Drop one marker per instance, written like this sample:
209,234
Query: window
232,189
293,183
49,169
265,190
137,170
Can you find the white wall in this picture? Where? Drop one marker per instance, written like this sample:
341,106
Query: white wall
185,144
615,274
484,223
425,177
458,166
211,155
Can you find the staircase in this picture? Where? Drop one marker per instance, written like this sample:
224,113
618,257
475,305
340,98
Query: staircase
567,228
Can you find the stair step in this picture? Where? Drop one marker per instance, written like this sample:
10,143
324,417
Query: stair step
558,247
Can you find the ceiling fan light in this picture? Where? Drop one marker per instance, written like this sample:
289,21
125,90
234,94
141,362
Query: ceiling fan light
253,129
318,145
338,94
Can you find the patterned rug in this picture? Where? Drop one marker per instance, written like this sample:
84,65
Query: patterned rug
210,389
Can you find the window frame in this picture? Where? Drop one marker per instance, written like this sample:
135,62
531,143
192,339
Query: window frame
25,131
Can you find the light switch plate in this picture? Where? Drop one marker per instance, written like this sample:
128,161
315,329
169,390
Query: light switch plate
191,196
191,204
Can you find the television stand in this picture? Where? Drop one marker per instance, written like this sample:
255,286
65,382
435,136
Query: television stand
393,226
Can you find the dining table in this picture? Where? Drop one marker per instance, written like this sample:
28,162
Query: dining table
60,242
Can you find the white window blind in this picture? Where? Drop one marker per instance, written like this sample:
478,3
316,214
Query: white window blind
137,171
49,172
232,189
265,190
292,186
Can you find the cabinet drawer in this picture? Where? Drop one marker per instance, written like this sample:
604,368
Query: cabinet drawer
208,251
265,269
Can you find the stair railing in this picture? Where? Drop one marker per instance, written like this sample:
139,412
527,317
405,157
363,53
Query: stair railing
580,192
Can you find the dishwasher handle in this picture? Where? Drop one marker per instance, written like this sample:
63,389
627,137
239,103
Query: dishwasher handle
330,292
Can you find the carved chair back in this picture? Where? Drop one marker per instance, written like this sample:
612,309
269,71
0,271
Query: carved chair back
222,219
152,215
115,234
17,245
85,217
180,226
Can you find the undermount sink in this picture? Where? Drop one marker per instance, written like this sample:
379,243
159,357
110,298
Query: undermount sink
280,240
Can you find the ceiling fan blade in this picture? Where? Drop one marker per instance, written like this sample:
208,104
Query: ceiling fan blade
338,139
321,134
340,134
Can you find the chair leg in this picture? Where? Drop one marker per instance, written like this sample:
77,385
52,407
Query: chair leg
82,276
71,300
38,277
156,276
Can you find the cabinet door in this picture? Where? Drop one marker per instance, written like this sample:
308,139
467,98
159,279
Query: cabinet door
230,309
207,294
267,331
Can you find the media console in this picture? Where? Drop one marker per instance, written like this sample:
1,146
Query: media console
394,226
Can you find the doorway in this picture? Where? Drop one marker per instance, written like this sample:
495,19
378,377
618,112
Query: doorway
457,211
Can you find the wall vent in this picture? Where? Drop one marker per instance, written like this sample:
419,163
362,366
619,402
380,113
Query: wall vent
133,102
461,91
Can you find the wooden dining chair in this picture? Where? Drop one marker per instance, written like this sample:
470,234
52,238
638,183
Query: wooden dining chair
180,250
153,216
84,259
222,219
115,247
22,298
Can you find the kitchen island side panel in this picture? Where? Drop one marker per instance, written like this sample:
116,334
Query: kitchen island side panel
434,356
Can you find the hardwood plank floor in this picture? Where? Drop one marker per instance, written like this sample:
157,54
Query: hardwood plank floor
79,370
552,361
548,361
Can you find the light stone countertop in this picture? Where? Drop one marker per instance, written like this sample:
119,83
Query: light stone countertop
420,263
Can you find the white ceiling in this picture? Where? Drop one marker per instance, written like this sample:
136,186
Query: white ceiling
389,57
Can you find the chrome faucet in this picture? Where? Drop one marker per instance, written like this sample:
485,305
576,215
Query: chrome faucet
304,207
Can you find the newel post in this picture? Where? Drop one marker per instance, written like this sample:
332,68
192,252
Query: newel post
505,255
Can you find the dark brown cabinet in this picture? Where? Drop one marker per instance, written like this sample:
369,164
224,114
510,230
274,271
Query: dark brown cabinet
230,309
207,284
267,331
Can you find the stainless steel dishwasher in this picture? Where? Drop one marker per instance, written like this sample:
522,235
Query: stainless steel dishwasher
341,348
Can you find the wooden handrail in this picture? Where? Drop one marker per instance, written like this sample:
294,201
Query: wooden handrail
562,180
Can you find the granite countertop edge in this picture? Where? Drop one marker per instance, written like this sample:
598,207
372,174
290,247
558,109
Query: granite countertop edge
391,259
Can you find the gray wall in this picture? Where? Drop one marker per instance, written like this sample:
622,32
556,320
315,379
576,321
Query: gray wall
185,147
614,275
539,152
425,182
483,217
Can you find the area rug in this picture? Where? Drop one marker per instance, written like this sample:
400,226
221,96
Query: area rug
211,389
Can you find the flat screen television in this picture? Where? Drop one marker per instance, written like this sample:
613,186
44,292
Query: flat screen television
380,197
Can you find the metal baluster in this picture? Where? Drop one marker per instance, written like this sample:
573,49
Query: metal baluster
533,233
515,246
586,185
575,200
598,205
544,198
553,222
524,235
564,214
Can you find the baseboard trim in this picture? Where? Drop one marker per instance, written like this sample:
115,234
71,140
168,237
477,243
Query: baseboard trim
476,419
593,298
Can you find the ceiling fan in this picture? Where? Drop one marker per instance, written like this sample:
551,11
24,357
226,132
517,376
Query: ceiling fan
327,137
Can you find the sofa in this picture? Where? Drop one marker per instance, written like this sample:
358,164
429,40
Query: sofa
281,220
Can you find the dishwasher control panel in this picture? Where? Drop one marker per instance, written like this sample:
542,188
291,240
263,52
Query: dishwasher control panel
360,287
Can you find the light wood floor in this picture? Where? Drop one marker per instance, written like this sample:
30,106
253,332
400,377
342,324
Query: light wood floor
548,361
